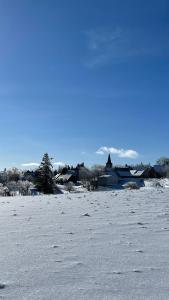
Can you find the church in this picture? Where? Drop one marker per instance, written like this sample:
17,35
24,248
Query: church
110,177
120,175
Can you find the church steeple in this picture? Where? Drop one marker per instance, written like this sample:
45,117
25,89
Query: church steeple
109,162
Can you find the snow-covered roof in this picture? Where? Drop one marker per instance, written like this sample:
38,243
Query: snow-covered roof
64,177
106,176
57,175
137,173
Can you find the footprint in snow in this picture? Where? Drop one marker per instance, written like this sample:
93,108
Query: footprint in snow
2,285
164,229
117,272
137,271
55,246
79,264
14,215
86,215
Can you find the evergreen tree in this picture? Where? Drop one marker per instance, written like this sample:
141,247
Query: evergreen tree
44,176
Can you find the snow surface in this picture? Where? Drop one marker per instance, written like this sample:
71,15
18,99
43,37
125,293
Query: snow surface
101,245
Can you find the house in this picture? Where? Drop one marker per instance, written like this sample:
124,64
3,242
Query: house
120,175
123,172
72,174
148,172
33,191
107,180
137,173
65,178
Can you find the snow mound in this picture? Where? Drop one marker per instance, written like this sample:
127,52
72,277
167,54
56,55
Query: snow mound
157,183
131,185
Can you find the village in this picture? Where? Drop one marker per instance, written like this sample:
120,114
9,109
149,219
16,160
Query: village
67,179
109,176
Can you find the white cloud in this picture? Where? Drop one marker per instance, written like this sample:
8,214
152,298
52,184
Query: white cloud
32,164
119,152
59,164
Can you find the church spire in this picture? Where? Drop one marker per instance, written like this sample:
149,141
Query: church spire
109,162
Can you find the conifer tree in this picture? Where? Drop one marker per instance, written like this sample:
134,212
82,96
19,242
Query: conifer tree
44,178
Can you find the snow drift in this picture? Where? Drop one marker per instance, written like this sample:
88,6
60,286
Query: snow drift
102,245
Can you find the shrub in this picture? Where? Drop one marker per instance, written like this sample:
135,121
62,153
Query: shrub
69,186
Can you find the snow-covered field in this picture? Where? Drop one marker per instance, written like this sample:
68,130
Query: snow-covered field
102,245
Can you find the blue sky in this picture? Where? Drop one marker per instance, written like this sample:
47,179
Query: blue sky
77,76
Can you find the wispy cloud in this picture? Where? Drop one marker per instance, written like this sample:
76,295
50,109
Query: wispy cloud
100,38
117,45
31,164
59,164
34,164
102,44
119,152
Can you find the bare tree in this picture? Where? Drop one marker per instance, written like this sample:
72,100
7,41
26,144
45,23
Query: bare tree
69,186
163,161
24,187
97,170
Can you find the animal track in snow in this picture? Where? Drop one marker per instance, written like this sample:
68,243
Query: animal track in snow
55,246
14,215
117,272
137,271
2,285
86,215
